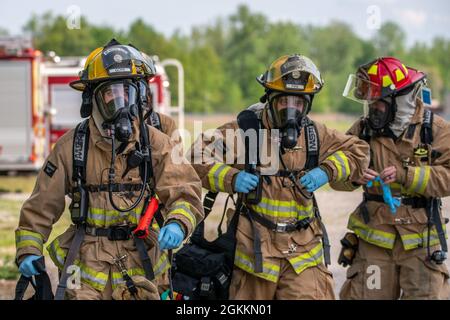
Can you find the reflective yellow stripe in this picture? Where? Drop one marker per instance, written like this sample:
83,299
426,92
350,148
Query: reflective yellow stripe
100,217
420,180
88,275
161,266
283,209
416,240
93,278
117,278
396,188
183,208
270,272
376,237
216,176
425,179
309,259
340,161
25,238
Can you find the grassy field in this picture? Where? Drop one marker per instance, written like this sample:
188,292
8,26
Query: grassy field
15,189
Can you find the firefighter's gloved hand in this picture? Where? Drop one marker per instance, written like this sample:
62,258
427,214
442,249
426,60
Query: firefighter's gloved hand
245,182
170,236
392,202
314,179
27,268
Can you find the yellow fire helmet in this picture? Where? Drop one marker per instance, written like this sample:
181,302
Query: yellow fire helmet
114,61
294,74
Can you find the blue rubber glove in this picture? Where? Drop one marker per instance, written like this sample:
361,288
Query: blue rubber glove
245,182
27,268
392,202
170,236
314,179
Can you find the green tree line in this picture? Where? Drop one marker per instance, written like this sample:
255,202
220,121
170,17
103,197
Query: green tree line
222,59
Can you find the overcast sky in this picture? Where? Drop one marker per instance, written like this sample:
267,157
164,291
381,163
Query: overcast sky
421,20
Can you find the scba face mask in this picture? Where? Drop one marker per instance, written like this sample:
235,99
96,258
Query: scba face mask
288,112
380,113
117,102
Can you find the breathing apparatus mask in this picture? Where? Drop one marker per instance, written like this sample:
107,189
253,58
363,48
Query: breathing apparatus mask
117,102
288,112
380,113
394,112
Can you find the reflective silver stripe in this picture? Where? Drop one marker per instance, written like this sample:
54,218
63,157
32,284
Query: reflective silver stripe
270,207
369,234
29,237
108,219
376,237
117,277
342,162
162,267
313,259
216,176
181,206
421,179
92,278
251,266
57,254
420,240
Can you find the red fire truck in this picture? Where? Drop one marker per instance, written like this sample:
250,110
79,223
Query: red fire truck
62,101
37,105
23,121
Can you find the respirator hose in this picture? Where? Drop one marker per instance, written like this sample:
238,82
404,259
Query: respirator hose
112,174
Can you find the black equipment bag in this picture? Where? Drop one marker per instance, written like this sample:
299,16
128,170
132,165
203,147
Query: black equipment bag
42,285
202,269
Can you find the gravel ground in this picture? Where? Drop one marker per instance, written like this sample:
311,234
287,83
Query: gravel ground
335,208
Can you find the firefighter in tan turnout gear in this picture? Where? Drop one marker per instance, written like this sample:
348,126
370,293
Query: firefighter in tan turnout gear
279,252
400,243
115,169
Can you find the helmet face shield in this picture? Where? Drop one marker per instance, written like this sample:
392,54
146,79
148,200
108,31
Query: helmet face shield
361,90
288,109
114,96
